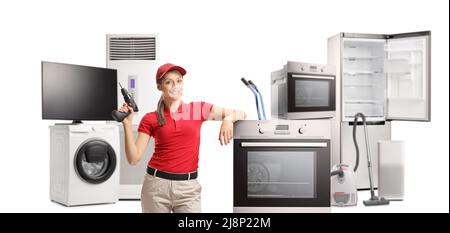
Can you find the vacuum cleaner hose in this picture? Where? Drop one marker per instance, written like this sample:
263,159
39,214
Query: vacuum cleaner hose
355,124
338,172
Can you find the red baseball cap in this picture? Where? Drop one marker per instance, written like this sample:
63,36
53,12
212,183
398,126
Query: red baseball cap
162,70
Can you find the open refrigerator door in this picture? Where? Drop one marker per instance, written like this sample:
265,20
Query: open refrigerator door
408,78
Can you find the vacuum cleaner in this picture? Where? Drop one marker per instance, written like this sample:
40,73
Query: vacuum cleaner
343,179
343,184
258,98
374,200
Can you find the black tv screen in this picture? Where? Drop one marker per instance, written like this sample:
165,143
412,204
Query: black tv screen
74,92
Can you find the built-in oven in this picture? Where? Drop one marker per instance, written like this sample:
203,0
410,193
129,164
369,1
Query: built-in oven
303,91
281,166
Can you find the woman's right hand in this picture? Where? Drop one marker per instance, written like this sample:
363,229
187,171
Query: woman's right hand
127,108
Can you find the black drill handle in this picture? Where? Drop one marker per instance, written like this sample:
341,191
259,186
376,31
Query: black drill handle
119,116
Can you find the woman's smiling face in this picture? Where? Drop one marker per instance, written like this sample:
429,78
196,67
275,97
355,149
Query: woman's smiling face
171,85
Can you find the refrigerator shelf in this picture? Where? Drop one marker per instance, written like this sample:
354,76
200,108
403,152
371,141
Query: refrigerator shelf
370,108
405,99
359,85
403,61
356,73
370,58
418,50
316,98
368,117
364,101
399,74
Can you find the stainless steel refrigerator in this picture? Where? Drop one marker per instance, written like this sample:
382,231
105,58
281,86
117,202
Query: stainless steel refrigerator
386,77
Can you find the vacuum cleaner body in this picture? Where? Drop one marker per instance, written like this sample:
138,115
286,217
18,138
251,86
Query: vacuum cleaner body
343,186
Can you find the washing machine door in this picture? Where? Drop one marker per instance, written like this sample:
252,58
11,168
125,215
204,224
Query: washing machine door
95,161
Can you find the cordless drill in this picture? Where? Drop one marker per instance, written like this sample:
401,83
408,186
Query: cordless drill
119,116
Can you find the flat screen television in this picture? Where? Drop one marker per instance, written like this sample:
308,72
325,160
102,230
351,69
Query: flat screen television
76,93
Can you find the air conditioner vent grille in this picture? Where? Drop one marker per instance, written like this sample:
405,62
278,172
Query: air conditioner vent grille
132,48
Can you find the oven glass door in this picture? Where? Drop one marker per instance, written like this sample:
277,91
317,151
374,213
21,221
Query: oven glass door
308,93
281,173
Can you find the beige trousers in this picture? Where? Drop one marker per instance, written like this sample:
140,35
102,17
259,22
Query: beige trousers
160,195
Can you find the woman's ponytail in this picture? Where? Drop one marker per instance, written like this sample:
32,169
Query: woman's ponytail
160,112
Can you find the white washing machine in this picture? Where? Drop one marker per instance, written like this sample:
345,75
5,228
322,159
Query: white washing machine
84,164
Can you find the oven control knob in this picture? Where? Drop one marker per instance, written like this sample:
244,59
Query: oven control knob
262,130
301,130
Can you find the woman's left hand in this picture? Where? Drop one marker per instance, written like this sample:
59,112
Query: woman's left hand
226,132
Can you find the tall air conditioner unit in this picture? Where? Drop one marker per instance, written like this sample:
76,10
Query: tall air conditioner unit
135,57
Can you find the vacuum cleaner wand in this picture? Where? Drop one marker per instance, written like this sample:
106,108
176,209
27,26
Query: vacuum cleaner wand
374,200
258,99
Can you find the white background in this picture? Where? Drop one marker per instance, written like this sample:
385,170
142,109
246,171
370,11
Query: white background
218,42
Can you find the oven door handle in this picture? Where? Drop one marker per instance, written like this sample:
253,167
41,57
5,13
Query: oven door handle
313,76
285,144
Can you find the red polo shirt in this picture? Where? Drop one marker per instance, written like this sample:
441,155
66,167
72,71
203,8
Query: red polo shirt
178,141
